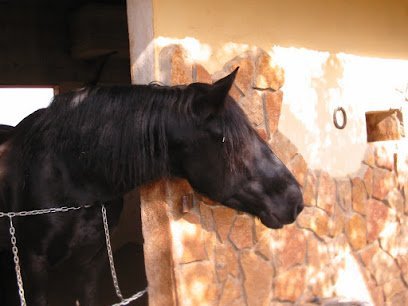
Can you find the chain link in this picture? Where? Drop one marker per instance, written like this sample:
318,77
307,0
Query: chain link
110,254
16,259
131,299
44,211
112,265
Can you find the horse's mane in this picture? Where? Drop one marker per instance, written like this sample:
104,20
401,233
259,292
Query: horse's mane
121,130
5,132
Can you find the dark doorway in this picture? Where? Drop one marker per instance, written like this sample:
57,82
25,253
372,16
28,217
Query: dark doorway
61,44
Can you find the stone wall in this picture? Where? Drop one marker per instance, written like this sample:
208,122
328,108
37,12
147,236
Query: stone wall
349,243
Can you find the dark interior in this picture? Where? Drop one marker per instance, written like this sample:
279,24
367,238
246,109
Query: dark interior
63,44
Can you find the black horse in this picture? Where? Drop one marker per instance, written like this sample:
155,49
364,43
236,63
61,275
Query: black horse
96,144
87,254
5,132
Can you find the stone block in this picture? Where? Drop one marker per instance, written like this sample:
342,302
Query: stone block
246,72
322,284
264,246
210,240
277,303
268,74
310,188
173,66
260,230
337,222
359,195
400,299
369,157
384,125
317,254
298,167
201,74
384,156
188,243
376,292
242,232
367,254
393,240
326,193
289,247
258,276
290,285
205,200
396,201
383,182
368,180
356,232
223,218
273,106
197,284
206,217
377,215
262,133
403,264
231,293
226,261
315,220
235,93
343,187
282,147
393,288
405,193
383,267
252,105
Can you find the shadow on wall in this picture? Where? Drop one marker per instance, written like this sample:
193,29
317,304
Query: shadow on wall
314,87
329,96
327,87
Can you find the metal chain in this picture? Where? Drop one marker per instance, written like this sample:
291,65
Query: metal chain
44,211
131,299
13,239
37,212
17,263
110,254
112,266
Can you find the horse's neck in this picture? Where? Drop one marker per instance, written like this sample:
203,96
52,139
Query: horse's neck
136,141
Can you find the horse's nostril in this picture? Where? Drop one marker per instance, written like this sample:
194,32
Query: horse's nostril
299,209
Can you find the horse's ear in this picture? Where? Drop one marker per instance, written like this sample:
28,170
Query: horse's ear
219,90
214,97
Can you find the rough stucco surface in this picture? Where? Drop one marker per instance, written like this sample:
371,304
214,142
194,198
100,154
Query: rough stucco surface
350,242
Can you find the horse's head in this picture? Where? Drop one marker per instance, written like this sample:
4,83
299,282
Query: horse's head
223,157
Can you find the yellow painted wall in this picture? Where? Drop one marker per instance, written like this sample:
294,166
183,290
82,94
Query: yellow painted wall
364,27
349,53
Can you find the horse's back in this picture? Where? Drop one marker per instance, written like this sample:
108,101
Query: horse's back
5,132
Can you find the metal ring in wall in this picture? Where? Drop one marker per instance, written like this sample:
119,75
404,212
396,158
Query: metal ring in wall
344,122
